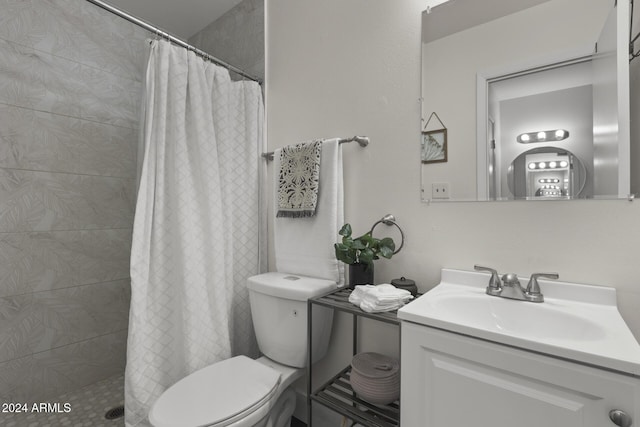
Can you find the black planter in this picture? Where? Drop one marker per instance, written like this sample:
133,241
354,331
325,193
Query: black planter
360,275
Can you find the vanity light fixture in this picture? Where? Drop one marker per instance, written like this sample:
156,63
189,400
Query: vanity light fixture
548,165
548,181
543,136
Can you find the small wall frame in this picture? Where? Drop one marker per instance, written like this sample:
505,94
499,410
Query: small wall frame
434,146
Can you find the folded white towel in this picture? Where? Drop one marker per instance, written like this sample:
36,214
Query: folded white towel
385,297
358,293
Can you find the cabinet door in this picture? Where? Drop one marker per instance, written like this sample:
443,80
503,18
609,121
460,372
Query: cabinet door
451,380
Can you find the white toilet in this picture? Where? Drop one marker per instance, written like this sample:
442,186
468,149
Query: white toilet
242,392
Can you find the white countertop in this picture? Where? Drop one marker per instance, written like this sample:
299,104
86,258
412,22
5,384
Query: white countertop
576,322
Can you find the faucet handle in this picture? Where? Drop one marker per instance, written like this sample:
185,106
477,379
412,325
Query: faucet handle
533,288
495,286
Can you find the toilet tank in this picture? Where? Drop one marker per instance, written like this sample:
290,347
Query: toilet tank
279,311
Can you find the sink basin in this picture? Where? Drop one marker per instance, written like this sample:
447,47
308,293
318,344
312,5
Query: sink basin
578,322
506,316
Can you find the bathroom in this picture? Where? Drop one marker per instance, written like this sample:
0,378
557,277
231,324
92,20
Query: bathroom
333,68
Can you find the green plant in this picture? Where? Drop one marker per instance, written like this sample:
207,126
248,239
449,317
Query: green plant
364,249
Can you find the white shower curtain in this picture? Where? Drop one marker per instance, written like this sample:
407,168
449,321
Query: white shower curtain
197,224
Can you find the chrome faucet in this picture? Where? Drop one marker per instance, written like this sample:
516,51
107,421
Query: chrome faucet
510,286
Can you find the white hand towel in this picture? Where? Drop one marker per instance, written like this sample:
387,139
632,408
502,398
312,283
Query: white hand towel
355,297
384,297
305,245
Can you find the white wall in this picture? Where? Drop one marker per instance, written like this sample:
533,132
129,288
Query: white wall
338,67
237,37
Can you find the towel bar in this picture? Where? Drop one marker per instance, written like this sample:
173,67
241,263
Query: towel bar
362,140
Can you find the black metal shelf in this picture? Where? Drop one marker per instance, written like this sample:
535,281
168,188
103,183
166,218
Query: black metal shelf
337,393
339,300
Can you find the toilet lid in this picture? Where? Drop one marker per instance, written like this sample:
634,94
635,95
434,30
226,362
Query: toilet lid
217,394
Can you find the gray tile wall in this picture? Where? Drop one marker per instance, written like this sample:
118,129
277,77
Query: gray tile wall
237,37
70,88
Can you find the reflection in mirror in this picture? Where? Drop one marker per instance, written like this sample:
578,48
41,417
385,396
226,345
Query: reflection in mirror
550,108
547,173
499,78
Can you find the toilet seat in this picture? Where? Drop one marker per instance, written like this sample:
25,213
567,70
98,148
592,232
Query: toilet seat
217,395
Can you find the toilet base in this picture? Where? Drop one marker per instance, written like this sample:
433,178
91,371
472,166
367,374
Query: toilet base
279,414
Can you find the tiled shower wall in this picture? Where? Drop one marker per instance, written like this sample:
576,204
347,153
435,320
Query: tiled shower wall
237,37
70,84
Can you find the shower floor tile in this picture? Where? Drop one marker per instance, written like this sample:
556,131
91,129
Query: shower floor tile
88,407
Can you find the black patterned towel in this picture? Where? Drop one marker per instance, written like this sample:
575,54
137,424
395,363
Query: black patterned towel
299,179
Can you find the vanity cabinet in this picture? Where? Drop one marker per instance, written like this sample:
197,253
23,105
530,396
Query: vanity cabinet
454,380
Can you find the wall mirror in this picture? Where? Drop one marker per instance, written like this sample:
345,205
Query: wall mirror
536,97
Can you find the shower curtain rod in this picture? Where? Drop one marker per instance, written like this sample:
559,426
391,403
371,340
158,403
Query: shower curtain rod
157,31
362,140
